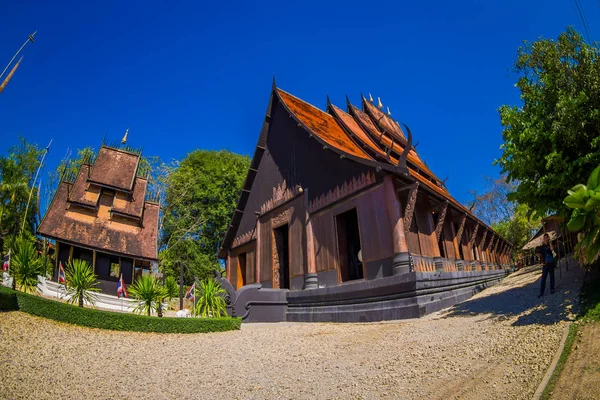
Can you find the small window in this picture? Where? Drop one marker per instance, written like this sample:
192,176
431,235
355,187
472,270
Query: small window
115,268
142,268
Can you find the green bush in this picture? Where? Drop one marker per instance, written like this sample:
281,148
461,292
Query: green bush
35,305
8,299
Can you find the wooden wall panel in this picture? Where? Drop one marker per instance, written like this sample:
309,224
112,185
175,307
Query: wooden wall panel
292,213
373,224
424,218
449,239
468,255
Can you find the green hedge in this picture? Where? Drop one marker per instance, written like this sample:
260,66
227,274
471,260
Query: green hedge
11,300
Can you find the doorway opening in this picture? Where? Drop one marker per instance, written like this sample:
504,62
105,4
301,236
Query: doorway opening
241,273
281,257
351,268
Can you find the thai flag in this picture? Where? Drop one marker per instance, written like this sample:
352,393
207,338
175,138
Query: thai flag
121,289
191,293
6,262
61,273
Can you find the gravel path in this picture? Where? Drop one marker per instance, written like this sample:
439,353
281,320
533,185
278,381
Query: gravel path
496,345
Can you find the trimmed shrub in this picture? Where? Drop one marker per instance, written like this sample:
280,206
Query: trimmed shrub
8,299
92,318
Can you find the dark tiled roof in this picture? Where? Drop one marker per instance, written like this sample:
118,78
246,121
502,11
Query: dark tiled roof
115,168
383,121
66,223
134,205
80,193
322,124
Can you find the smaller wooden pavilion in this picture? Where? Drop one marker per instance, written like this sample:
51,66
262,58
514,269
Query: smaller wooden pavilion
101,215
563,240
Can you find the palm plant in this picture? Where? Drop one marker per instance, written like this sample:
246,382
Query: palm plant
150,293
211,301
171,287
81,282
25,265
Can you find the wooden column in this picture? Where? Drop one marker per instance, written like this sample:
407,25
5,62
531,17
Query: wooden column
395,215
311,279
228,267
71,254
56,260
94,261
257,252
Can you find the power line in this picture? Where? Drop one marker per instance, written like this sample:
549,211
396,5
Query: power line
579,11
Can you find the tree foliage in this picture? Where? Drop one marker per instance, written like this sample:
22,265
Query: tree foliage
25,265
512,221
17,171
584,200
200,198
552,141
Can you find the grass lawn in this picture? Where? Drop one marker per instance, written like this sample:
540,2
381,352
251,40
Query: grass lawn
577,374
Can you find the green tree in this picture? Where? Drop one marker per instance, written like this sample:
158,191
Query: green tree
552,140
150,293
25,265
512,221
16,175
81,282
210,301
200,198
584,200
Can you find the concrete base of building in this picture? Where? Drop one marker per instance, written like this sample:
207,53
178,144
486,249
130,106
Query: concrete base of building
409,295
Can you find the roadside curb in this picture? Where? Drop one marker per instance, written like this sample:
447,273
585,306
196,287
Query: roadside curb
540,390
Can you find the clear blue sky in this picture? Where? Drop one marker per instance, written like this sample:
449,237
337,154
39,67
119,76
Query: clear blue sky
196,75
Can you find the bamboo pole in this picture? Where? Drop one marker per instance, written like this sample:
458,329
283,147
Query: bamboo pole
29,39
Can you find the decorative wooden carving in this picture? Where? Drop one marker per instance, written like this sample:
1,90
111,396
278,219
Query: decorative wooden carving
244,238
281,194
441,218
277,241
461,229
483,240
410,208
281,219
342,191
473,236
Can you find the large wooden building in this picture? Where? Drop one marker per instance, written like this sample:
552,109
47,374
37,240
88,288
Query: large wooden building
341,196
101,215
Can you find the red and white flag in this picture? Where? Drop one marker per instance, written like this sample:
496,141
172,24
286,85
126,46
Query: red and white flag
191,293
61,273
6,263
121,289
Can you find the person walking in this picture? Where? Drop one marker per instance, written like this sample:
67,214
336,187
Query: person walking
548,256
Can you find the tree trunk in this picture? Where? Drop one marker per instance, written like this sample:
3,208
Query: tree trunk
81,300
159,309
150,310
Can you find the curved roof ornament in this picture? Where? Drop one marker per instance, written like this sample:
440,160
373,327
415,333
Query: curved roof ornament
370,98
402,160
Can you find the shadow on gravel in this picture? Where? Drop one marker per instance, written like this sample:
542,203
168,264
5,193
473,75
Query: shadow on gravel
523,302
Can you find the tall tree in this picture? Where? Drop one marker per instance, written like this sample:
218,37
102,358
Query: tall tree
552,140
511,220
16,177
200,198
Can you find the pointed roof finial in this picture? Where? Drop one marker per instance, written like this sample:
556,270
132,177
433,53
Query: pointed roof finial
389,112
370,98
124,140
379,103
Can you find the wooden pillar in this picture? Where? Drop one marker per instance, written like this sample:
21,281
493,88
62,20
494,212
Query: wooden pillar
56,260
94,261
257,253
71,254
133,270
228,267
311,279
395,216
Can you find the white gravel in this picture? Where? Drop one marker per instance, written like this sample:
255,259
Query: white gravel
496,345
